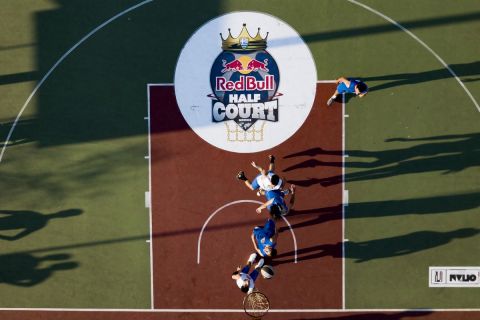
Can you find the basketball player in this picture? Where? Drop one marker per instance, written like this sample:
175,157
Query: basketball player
276,202
244,280
264,239
348,85
265,181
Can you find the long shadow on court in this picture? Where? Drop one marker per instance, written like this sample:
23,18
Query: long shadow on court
24,132
447,154
100,91
25,222
373,316
470,70
374,209
18,77
27,270
379,248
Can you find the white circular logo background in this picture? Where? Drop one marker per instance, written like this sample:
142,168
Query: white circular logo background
297,85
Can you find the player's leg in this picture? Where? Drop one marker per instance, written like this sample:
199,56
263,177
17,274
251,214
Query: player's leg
256,270
250,261
341,88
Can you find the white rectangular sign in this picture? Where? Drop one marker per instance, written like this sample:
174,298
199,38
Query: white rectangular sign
454,277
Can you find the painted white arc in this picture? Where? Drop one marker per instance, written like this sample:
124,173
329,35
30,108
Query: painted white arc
411,34
228,205
56,65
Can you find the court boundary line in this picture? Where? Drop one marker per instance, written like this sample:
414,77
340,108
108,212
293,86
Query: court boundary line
236,310
210,217
343,201
411,34
152,300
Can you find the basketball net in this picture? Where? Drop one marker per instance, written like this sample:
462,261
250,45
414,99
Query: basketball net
236,134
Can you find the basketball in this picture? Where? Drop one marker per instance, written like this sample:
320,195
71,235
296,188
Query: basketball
267,272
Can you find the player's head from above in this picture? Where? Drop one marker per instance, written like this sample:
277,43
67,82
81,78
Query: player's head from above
245,286
275,211
274,180
361,89
269,251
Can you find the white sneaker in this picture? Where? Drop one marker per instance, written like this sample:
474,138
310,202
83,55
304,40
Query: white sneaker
252,258
330,101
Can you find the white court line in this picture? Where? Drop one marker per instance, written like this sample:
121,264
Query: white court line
230,204
236,310
343,201
423,44
56,65
150,194
326,81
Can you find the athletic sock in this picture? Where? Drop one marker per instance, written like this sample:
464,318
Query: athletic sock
260,263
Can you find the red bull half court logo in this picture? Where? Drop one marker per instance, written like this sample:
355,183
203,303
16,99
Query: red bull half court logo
244,79
243,91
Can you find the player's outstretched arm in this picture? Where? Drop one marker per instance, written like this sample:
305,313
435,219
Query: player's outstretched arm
255,245
241,176
271,165
263,206
236,273
292,196
260,169
344,80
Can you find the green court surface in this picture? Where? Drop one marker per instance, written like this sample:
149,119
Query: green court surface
413,143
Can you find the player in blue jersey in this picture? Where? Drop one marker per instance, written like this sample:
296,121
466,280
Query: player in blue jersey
264,239
265,181
276,204
348,85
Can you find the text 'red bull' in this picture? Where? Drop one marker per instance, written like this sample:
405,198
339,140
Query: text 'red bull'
245,83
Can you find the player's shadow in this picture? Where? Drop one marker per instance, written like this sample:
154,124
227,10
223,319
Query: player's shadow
321,215
26,270
375,316
18,77
24,222
401,79
94,94
24,132
419,206
379,248
447,154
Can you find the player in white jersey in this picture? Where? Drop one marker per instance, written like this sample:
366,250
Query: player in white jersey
244,280
265,181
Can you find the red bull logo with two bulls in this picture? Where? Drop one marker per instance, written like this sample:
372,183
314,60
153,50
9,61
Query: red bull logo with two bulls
244,79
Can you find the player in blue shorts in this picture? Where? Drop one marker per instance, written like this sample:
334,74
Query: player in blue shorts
244,280
265,181
276,204
264,239
348,85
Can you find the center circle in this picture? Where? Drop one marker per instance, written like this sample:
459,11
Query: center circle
245,82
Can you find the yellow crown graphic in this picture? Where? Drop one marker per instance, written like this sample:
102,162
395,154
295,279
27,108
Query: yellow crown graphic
244,41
